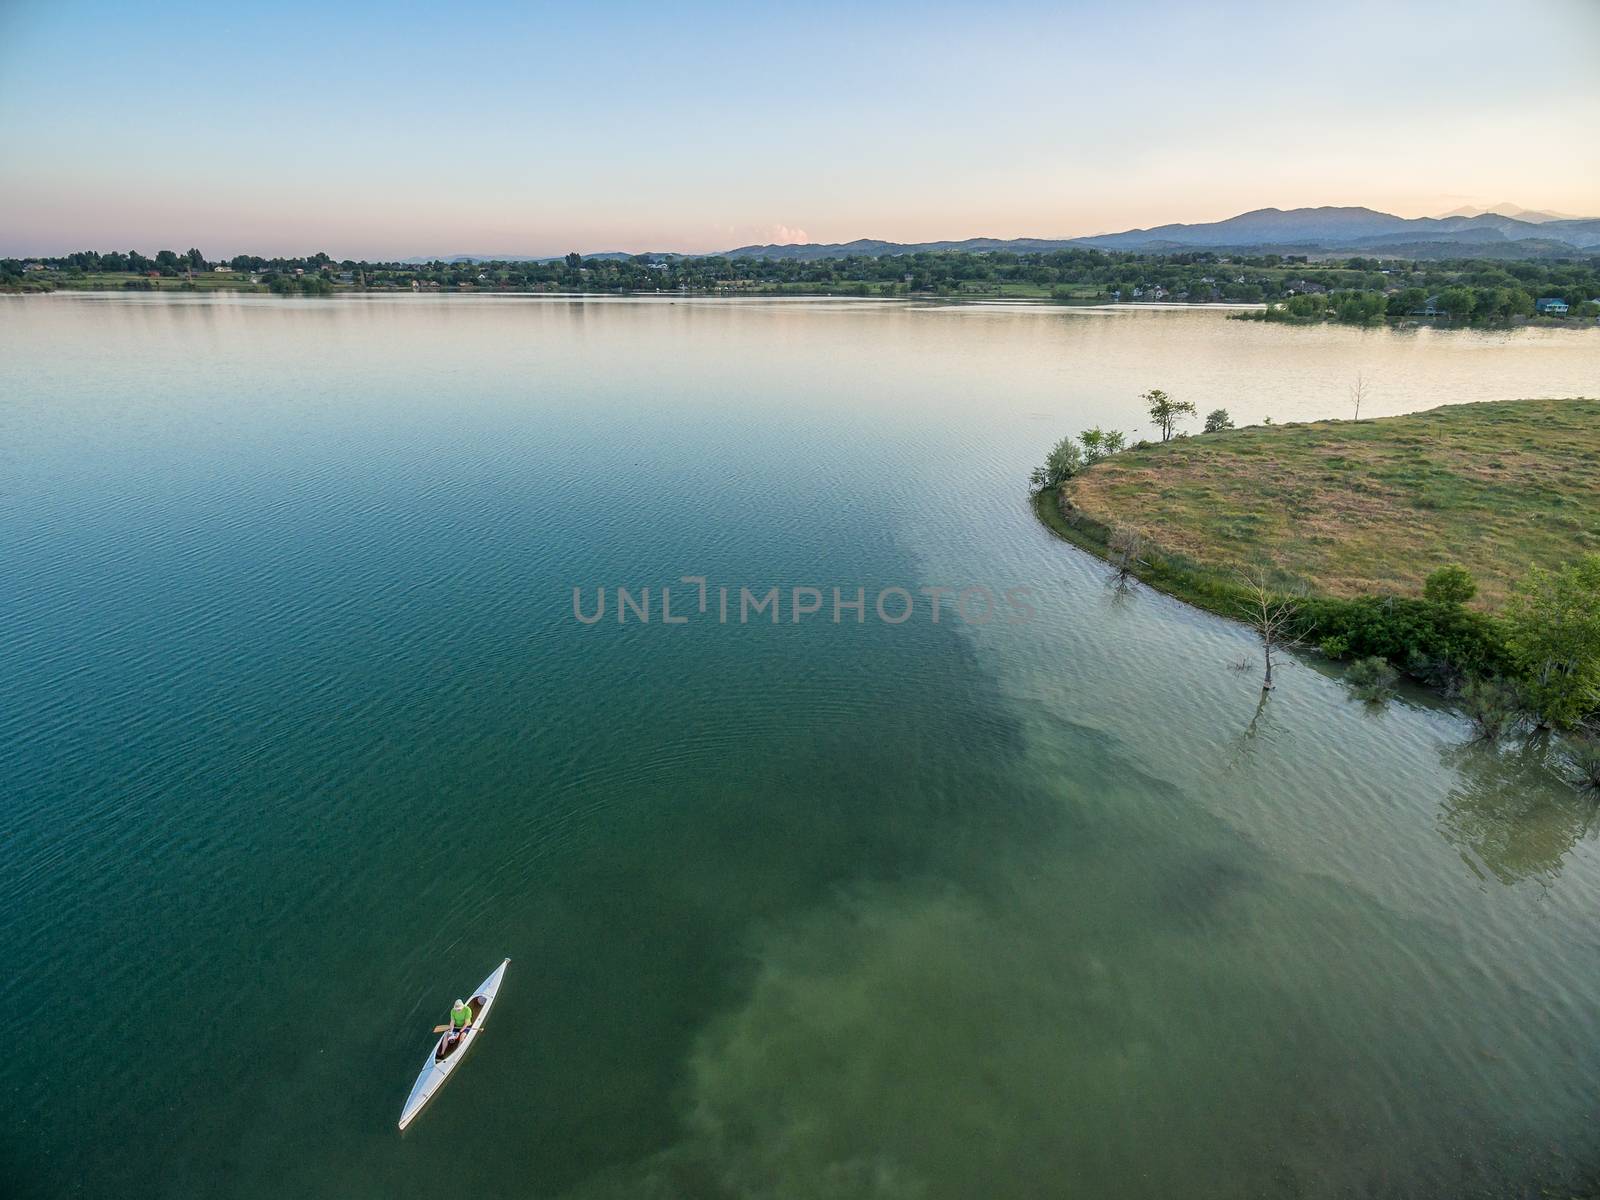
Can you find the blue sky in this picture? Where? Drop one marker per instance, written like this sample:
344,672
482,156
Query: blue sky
401,129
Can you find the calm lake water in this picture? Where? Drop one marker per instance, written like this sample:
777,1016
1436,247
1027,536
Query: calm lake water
299,737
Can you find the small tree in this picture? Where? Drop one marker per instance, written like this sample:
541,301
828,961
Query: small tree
1553,629
1451,586
1062,463
1358,393
1165,412
1217,420
1271,615
1100,443
1372,679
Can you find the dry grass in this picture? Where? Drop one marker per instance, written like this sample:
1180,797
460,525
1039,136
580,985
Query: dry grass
1351,508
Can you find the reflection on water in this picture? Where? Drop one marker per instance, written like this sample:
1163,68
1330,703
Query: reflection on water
1505,819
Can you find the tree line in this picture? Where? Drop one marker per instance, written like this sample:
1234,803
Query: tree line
1357,288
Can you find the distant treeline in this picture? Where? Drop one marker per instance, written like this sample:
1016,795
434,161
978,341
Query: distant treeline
1357,288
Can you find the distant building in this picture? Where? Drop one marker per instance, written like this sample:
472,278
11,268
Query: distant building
1550,306
222,267
1430,308
33,266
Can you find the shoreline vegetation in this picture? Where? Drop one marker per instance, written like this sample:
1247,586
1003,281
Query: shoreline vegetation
1459,546
1295,289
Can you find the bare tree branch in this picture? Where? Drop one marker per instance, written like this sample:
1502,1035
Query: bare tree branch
1272,615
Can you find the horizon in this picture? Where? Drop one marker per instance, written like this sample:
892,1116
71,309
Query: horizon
514,255
382,136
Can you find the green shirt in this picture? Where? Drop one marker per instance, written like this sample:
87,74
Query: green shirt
460,1016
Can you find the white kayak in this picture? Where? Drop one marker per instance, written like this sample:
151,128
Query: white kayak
447,1053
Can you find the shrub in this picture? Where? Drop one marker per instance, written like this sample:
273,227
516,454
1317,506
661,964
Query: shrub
1217,420
1429,640
1335,647
1449,585
1586,757
1493,706
1371,679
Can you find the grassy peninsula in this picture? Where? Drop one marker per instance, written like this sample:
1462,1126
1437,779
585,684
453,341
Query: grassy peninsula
1353,518
1347,508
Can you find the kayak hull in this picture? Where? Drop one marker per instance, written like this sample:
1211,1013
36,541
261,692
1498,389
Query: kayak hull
440,1065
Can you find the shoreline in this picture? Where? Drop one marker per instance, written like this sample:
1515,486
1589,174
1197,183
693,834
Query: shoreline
1357,526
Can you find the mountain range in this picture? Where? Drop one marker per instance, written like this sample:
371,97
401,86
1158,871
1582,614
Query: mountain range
1504,231
1293,231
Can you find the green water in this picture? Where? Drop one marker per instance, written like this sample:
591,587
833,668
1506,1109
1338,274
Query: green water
299,737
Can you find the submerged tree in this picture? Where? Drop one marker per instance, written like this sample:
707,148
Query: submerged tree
1127,548
1165,412
1586,757
1372,679
1494,706
1273,616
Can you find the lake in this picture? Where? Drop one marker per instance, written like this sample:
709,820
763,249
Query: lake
301,734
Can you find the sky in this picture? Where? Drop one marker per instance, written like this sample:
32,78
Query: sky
395,130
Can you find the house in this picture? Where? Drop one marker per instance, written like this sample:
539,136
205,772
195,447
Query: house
1550,306
1430,308
222,267
33,266
347,276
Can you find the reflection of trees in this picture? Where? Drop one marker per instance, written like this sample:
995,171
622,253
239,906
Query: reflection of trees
1510,813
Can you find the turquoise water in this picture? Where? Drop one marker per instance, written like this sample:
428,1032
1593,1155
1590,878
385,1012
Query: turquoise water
299,737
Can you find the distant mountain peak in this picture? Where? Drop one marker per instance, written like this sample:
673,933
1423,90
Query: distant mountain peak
1507,209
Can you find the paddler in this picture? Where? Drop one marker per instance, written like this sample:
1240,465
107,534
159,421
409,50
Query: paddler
460,1018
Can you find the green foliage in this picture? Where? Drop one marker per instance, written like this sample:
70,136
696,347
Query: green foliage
1437,643
1585,752
1100,443
1553,632
1457,301
1060,465
1217,420
1335,647
1359,308
1493,705
1449,585
1165,412
1371,679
